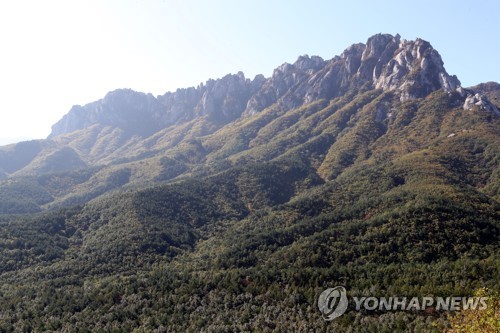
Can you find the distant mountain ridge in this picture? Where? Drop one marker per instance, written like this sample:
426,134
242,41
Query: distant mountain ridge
412,68
223,100
312,108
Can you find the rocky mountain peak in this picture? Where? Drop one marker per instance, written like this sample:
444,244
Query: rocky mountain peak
379,45
410,69
352,57
132,111
225,99
306,63
413,68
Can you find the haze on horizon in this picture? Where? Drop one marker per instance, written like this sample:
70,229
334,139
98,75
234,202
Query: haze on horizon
56,53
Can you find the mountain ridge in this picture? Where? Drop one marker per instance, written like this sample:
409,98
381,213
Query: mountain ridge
331,112
232,206
386,62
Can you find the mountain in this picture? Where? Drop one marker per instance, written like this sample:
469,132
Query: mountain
413,68
218,123
232,205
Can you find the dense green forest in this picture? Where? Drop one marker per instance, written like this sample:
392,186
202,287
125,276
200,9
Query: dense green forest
250,247
238,215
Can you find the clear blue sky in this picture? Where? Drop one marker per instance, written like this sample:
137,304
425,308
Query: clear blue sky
55,54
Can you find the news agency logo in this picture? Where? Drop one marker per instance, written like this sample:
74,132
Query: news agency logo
333,302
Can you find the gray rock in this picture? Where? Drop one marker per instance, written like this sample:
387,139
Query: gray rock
132,111
481,102
411,69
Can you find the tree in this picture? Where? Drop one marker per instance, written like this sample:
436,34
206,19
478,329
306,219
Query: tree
476,320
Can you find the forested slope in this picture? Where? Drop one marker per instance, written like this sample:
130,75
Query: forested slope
235,217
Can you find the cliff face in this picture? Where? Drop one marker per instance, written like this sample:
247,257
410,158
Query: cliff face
222,120
221,100
236,200
412,69
133,111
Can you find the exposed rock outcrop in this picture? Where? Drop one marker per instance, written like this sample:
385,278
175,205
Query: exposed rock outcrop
221,100
135,112
411,69
480,101
491,90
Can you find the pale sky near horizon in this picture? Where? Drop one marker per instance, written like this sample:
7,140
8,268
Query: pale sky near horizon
55,54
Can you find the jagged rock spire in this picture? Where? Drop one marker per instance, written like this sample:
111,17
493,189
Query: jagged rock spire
412,69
